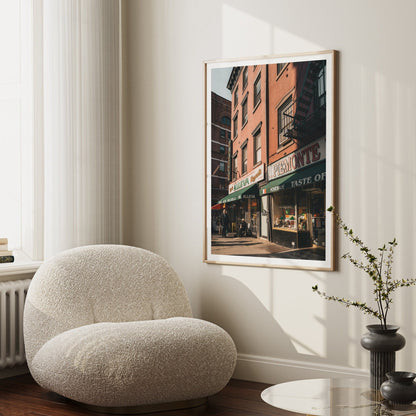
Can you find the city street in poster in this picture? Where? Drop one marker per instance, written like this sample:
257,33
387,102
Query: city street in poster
270,161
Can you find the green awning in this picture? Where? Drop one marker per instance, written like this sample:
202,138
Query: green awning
245,193
305,176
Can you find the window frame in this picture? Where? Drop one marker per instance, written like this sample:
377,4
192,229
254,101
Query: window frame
226,121
257,95
244,158
235,126
235,96
320,96
280,67
281,117
245,77
29,256
256,149
234,166
244,111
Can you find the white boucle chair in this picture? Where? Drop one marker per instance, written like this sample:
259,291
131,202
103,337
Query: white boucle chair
111,326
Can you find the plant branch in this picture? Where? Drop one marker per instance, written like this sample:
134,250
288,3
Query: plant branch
378,268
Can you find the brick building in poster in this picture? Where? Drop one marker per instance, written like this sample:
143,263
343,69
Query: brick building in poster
220,146
249,151
277,158
296,172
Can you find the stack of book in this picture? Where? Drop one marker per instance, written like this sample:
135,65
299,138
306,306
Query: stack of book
6,256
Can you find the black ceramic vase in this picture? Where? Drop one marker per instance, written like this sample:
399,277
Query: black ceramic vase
399,388
382,342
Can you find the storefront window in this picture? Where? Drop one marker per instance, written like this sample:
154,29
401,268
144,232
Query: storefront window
284,210
300,211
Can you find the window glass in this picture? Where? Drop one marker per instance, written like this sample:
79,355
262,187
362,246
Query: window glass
226,120
12,75
244,112
234,168
245,77
257,148
244,159
257,91
321,89
280,68
284,212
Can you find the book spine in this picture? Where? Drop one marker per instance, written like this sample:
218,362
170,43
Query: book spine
6,259
4,247
4,241
4,253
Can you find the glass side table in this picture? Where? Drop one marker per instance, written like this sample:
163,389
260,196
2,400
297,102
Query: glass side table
332,397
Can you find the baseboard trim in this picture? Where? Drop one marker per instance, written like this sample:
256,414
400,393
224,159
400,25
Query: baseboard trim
277,370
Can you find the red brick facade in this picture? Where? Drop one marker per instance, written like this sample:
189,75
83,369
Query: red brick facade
248,119
276,153
220,146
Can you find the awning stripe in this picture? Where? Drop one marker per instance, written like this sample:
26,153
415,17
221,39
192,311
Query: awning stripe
306,176
245,193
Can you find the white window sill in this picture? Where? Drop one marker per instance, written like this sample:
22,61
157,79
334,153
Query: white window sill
22,264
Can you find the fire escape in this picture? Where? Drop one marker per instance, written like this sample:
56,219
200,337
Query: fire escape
308,112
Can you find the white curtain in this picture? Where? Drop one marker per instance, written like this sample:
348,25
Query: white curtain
82,140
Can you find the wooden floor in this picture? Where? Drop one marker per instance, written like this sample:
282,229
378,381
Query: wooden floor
21,396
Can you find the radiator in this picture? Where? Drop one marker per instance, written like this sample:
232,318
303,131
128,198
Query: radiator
12,300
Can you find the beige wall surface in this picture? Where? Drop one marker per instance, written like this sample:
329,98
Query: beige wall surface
282,330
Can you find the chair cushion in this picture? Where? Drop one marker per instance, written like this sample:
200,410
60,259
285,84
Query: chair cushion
137,363
100,283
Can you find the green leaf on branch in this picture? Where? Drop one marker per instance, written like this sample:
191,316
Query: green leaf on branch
379,269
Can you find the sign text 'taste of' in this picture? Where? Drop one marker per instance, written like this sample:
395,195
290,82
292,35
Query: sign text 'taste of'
306,156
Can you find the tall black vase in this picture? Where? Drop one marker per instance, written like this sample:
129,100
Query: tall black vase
382,343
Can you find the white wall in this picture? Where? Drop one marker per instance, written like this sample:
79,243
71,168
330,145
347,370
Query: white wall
282,330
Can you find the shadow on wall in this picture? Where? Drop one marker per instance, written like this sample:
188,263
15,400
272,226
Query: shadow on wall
283,331
267,352
250,324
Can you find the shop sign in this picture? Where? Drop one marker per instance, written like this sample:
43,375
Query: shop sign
306,156
255,176
307,180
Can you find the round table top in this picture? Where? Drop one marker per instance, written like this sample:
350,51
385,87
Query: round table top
331,397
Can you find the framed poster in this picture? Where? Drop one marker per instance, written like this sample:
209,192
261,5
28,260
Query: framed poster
270,126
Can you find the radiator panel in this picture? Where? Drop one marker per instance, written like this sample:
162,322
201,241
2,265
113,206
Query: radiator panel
12,300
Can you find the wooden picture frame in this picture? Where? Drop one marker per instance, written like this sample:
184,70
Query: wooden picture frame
270,161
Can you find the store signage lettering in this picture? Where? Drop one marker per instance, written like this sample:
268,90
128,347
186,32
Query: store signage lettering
255,176
308,180
308,155
299,182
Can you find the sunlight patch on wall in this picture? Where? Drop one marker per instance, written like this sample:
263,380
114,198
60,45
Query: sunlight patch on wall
245,35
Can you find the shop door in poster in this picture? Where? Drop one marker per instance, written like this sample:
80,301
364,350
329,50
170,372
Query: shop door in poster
265,217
